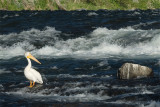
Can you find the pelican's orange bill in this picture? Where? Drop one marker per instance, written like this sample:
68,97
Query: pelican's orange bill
33,58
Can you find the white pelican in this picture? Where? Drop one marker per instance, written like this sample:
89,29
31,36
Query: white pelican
30,73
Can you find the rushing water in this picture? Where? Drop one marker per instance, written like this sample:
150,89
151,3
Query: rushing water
80,52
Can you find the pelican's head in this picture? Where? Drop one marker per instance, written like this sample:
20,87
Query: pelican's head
29,56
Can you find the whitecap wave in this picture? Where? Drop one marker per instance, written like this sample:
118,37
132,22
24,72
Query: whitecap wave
101,43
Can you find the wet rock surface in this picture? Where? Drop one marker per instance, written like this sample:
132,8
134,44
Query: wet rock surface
130,71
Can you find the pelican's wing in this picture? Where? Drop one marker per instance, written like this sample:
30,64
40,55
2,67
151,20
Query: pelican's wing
37,76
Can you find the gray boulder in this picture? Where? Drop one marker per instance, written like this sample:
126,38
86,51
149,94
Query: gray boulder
130,71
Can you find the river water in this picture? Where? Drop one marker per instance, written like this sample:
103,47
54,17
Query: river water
80,52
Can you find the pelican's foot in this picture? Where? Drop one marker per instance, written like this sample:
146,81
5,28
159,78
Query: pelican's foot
31,85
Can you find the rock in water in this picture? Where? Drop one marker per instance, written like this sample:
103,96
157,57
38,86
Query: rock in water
130,71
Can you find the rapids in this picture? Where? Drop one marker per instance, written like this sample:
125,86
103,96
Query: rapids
80,52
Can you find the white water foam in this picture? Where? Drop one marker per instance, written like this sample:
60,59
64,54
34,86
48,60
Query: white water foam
137,104
6,16
101,43
152,104
92,14
18,49
2,71
13,51
52,94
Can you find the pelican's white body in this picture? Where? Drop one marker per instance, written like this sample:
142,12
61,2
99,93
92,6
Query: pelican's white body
31,74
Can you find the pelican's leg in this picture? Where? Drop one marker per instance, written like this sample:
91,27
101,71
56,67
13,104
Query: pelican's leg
31,84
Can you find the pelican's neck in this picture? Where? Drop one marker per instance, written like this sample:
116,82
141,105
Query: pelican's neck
29,63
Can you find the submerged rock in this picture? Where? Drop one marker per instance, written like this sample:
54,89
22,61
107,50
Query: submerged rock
130,71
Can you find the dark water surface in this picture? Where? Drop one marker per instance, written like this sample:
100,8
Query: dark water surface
80,52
